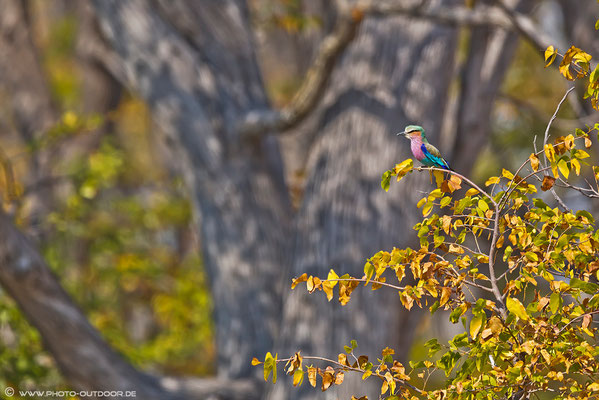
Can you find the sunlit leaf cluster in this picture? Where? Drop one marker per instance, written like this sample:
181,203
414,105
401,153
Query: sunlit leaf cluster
575,64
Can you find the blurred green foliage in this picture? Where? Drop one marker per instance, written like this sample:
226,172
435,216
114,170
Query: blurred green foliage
119,236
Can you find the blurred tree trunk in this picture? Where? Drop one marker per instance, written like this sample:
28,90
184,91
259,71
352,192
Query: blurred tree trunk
392,75
32,110
194,62
490,54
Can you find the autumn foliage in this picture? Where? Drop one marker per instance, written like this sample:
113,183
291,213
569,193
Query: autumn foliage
520,276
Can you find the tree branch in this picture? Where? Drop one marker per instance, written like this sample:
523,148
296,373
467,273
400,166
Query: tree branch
317,78
83,357
258,122
526,27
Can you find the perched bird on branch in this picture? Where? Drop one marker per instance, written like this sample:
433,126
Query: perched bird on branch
424,152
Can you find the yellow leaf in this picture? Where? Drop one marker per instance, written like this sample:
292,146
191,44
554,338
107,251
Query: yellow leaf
550,55
384,387
476,324
446,221
576,164
298,377
549,152
534,162
328,378
339,378
507,174
439,176
587,142
455,249
403,168
445,294
516,308
471,192
492,180
569,142
426,210
586,320
483,205
455,182
330,283
563,168
495,325
312,376
296,281
575,60
255,361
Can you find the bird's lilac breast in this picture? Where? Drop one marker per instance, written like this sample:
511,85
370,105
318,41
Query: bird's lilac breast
416,147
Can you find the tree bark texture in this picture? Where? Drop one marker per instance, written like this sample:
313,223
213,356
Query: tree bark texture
32,110
84,358
392,75
490,54
194,63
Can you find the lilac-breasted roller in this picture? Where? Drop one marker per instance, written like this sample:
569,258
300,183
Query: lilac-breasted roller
424,152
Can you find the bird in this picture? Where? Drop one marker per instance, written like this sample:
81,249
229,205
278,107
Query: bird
424,152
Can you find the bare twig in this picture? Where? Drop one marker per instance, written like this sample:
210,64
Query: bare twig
546,137
553,117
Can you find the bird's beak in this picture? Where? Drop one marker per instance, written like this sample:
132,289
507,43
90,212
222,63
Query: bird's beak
402,133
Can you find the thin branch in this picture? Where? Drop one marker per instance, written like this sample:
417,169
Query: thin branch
553,117
546,137
575,319
492,250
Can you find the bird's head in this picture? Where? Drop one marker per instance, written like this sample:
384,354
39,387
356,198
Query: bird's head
412,132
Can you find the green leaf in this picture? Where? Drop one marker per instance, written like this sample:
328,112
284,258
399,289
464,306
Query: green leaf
587,287
445,201
586,214
563,168
555,302
483,205
516,308
385,180
457,313
298,377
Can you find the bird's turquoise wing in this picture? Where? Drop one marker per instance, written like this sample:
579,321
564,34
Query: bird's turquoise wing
432,157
